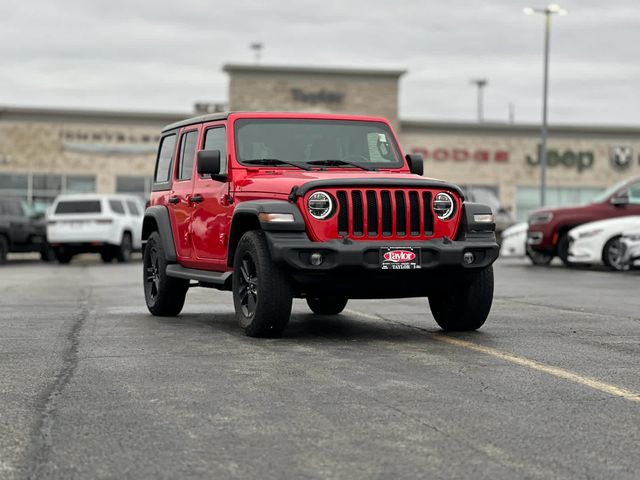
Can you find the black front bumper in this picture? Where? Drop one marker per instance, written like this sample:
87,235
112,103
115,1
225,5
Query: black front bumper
293,250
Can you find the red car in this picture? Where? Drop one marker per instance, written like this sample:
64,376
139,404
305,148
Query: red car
274,206
549,227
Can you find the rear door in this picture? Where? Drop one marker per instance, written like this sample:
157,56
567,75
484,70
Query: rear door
211,216
180,199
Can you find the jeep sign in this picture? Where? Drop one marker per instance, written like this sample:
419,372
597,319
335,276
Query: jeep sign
581,160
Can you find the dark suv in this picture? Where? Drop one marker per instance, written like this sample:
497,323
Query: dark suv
21,231
274,206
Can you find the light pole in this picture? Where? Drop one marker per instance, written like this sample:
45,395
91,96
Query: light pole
480,83
547,11
257,50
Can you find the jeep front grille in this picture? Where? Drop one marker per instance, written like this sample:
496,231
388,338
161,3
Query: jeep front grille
384,213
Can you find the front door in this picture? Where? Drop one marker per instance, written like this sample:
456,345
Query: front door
211,216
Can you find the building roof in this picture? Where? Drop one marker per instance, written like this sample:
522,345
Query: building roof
65,115
291,69
528,129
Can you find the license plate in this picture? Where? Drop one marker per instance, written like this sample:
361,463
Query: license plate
399,258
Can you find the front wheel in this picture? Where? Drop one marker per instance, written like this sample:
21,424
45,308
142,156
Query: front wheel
262,295
4,249
327,305
539,258
164,295
612,254
63,256
466,304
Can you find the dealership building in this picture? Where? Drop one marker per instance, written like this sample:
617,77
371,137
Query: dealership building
44,152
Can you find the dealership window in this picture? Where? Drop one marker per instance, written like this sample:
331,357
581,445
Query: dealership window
40,189
528,198
134,185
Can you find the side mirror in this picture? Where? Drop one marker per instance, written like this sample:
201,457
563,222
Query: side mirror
208,162
416,163
620,200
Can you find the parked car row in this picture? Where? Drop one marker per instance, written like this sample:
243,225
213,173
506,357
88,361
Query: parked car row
605,232
110,225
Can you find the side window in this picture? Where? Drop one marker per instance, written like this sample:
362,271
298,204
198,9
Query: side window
634,194
163,165
216,139
188,144
133,208
116,207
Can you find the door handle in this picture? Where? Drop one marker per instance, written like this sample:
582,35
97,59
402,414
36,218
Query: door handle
197,198
174,200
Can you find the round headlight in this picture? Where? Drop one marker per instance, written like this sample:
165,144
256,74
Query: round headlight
443,206
320,205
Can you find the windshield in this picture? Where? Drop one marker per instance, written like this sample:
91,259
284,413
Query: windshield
610,191
329,143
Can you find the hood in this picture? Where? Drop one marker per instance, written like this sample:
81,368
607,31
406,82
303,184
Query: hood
521,227
619,224
281,181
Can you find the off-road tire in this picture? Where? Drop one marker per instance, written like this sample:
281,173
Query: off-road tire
262,295
327,305
63,256
539,258
123,251
163,295
563,249
4,249
465,305
609,251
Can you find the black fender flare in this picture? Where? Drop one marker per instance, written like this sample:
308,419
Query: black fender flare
156,218
470,229
246,216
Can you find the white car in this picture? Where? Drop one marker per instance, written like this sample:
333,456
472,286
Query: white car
599,242
110,225
630,248
514,240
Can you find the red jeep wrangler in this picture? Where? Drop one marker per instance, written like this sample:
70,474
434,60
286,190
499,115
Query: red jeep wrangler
324,207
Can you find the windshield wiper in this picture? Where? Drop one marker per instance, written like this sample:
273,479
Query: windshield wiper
337,163
274,161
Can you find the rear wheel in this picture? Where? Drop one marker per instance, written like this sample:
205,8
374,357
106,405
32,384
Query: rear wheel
164,295
612,254
466,304
4,249
327,305
262,295
123,252
539,258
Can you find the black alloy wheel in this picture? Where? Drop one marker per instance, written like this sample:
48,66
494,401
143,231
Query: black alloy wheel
248,291
152,274
539,258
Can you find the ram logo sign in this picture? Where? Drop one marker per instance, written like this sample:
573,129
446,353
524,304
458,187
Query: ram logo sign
621,157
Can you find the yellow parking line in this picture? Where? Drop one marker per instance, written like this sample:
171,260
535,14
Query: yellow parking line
525,362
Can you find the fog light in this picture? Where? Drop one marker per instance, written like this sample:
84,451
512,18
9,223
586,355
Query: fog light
316,259
468,258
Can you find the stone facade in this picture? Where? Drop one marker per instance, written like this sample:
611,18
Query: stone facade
289,89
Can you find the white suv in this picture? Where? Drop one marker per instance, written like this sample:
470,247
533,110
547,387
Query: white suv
110,225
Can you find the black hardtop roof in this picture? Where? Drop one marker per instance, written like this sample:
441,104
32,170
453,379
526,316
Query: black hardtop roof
210,117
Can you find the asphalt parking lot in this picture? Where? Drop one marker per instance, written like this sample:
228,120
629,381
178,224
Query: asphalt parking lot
92,386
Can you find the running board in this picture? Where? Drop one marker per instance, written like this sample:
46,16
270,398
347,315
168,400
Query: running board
205,276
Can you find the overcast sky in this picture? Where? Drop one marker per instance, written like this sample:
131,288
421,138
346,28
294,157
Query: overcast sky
164,56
